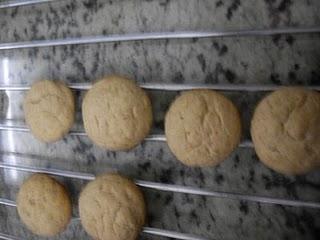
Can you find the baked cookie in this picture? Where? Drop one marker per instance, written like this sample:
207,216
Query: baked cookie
202,128
285,130
117,114
49,110
44,205
112,207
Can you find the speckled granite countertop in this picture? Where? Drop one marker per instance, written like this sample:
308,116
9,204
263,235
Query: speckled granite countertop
287,59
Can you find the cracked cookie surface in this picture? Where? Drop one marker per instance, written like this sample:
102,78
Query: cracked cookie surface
202,128
44,205
285,130
49,110
117,113
112,207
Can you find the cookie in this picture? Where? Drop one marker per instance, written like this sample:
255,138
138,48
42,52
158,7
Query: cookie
202,128
117,113
44,205
285,130
49,110
112,207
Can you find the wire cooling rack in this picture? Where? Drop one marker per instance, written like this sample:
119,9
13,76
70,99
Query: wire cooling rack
154,137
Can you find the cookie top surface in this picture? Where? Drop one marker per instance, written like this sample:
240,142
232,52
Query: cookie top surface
112,207
44,205
285,130
49,110
202,128
117,113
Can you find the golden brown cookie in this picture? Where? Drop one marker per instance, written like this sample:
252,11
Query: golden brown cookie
112,207
44,205
202,128
285,130
117,113
49,110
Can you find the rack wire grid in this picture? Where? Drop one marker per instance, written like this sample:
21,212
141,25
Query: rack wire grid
23,162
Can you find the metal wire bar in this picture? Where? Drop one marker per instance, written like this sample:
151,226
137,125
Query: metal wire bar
222,87
56,172
8,237
8,202
18,3
175,87
151,137
172,187
155,36
233,196
171,234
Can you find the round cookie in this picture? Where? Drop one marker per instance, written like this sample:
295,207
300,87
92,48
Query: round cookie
117,114
49,110
202,128
285,130
44,205
112,207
